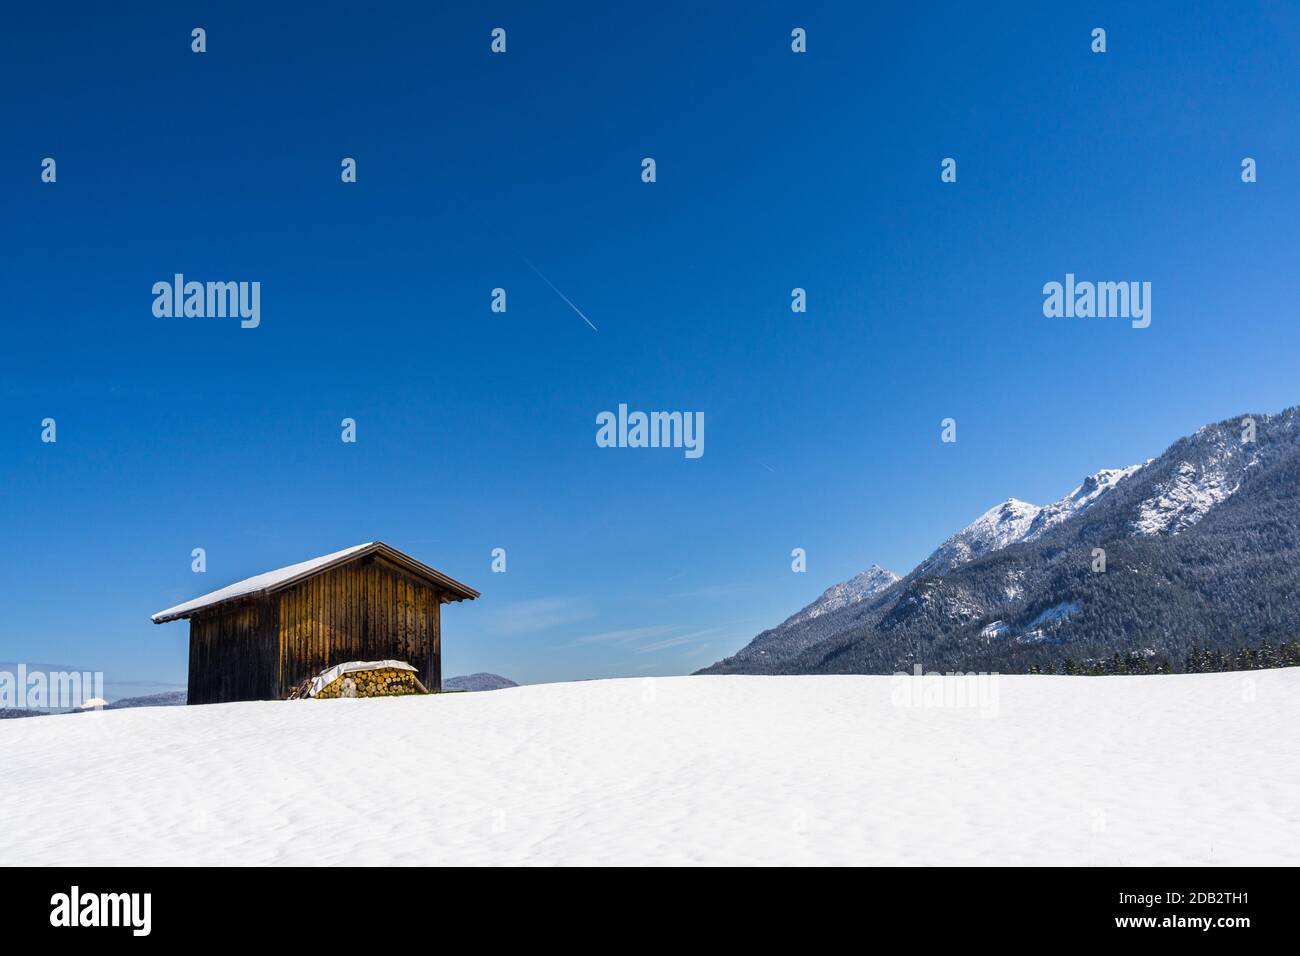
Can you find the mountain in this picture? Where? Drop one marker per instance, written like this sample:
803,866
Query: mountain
1015,520
1201,548
1080,499
871,581
13,713
172,698
996,528
802,629
479,681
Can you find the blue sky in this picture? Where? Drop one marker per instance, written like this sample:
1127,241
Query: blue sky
476,430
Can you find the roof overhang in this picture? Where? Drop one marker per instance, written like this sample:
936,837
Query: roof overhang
450,588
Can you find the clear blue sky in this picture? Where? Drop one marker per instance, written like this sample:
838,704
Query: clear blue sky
476,430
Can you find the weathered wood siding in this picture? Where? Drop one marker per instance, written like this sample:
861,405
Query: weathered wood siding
365,610
232,653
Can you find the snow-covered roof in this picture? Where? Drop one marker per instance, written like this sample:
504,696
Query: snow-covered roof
283,577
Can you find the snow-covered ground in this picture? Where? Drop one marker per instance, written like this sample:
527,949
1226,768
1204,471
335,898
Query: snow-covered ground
1198,769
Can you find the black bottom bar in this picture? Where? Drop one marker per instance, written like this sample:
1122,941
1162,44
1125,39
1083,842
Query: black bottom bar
310,906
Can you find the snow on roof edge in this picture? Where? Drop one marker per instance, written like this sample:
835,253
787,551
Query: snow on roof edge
258,582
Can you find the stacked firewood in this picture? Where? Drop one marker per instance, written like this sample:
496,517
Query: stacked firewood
388,682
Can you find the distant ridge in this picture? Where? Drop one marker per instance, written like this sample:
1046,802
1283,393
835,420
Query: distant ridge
171,698
479,681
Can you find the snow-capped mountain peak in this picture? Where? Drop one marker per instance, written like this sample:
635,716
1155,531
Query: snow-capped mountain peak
1001,525
1080,499
1229,484
858,588
1014,520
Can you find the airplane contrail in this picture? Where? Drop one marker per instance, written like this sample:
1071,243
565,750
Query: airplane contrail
562,296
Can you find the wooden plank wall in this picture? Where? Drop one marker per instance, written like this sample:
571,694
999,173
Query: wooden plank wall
232,654
365,610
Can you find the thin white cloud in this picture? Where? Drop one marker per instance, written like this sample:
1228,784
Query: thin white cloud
713,590
537,614
691,637
625,635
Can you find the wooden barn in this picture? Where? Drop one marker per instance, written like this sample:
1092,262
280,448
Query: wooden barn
258,638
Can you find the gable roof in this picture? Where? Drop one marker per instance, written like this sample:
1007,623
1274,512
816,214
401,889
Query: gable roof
277,580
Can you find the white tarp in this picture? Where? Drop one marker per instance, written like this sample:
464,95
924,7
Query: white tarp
325,678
